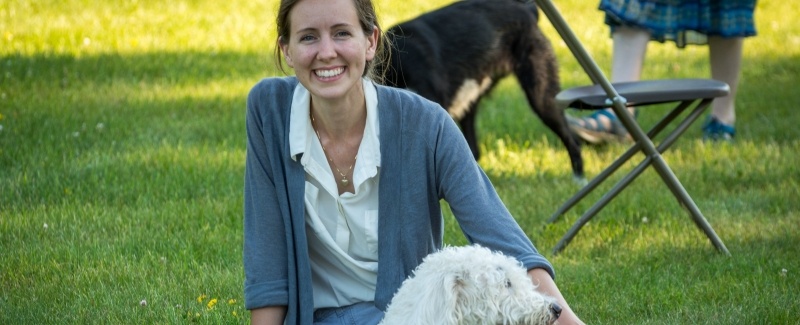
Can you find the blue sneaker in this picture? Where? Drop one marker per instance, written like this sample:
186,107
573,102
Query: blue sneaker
714,130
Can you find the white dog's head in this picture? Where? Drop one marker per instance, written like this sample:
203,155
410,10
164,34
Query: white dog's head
470,285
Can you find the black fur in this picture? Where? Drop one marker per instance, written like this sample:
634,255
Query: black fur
481,40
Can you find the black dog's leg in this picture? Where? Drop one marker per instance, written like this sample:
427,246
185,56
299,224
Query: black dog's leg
537,73
467,123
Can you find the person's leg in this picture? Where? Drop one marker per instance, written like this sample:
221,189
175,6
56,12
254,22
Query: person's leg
629,48
726,58
725,55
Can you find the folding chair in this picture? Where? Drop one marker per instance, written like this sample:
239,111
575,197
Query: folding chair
603,94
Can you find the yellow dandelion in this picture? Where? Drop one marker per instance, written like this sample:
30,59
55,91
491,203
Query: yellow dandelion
212,303
231,301
235,314
201,298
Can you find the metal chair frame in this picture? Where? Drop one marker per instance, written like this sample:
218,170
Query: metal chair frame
643,142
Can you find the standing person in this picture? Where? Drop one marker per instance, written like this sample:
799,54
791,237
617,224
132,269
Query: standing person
722,24
343,178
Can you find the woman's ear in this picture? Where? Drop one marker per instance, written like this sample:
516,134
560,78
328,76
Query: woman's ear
373,43
284,45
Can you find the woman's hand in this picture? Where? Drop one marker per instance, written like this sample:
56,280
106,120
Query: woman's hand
546,285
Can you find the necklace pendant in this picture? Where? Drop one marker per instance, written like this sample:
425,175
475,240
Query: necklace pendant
344,181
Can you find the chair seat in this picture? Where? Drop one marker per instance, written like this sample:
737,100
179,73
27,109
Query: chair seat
643,92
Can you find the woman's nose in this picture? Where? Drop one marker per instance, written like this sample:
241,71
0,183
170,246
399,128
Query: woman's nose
327,49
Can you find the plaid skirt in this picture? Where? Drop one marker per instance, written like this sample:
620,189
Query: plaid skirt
683,21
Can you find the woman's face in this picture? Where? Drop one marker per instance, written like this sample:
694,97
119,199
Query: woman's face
327,47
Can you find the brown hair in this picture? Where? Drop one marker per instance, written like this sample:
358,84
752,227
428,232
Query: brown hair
367,19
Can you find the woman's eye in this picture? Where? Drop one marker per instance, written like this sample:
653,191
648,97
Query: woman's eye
306,38
342,34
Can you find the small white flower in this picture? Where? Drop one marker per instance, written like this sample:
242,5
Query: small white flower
100,126
143,303
1,128
645,220
45,226
76,134
784,272
87,41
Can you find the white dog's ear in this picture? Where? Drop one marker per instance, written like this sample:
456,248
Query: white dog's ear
454,288
440,301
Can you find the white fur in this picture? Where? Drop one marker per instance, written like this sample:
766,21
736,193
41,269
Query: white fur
468,285
469,92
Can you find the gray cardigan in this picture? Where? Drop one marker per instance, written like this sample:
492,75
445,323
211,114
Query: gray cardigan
424,158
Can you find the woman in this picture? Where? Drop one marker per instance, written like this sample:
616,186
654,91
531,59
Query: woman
343,178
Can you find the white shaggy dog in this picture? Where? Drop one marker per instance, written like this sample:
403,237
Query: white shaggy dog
469,285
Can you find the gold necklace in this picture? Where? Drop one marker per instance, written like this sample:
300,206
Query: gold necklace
344,179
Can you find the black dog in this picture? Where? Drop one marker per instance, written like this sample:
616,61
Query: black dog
456,54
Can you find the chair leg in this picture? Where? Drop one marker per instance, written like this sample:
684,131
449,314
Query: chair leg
625,181
686,201
677,188
666,173
674,113
697,217
588,188
610,195
583,192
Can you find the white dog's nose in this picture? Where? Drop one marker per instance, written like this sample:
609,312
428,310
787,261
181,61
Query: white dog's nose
555,309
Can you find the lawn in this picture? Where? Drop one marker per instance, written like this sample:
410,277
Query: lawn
122,150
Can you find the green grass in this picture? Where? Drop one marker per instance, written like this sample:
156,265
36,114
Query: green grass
121,168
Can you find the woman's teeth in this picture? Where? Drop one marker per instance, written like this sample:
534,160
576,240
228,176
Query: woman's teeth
329,73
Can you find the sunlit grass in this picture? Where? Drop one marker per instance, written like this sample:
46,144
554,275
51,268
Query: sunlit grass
122,152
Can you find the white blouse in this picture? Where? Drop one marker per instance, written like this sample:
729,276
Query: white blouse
342,229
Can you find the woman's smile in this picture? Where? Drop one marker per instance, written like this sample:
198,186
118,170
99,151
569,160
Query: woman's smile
329,73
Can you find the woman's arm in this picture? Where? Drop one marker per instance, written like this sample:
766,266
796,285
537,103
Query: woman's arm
546,285
265,251
273,315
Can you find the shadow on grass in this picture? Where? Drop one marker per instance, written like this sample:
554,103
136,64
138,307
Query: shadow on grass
120,127
191,67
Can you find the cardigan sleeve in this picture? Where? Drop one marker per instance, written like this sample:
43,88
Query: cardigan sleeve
481,214
265,245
